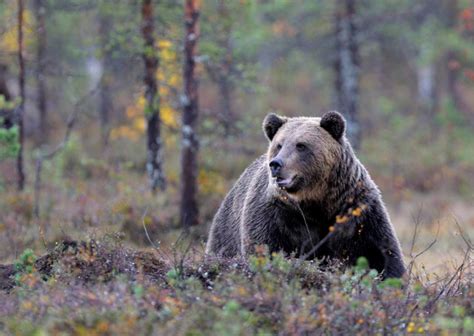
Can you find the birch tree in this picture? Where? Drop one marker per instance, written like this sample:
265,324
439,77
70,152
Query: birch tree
152,109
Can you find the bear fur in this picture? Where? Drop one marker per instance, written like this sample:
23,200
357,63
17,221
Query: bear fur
308,195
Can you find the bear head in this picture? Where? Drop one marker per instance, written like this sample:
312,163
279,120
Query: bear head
302,153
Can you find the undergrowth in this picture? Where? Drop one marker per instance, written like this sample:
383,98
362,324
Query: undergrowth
104,288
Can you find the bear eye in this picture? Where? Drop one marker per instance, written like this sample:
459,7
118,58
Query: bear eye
278,146
301,147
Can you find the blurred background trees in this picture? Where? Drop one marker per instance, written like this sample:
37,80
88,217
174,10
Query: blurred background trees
402,73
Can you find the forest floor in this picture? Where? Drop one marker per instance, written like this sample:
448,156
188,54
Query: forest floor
106,257
104,288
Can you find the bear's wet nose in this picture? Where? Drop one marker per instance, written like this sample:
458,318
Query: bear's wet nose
275,166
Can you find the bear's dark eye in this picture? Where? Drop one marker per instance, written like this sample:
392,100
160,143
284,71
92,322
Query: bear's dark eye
278,146
301,147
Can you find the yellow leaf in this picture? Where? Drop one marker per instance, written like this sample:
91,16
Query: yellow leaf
357,212
342,219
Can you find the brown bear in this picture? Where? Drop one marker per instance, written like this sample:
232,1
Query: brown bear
309,195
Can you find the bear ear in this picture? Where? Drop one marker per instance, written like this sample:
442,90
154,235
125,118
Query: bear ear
271,124
334,123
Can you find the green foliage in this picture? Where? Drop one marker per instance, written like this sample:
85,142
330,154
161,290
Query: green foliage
280,263
174,276
138,291
392,283
362,264
232,320
25,264
230,41
9,144
7,105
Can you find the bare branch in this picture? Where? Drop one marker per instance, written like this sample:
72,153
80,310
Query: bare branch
429,245
417,220
456,277
464,236
146,231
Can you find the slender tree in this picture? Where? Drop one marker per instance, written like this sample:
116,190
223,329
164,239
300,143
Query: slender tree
347,67
190,145
21,81
106,102
452,58
152,109
40,13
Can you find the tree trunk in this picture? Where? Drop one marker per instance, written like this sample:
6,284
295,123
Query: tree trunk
189,168
21,80
452,79
40,12
152,108
106,103
346,67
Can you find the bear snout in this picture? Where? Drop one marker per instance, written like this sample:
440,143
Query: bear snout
275,166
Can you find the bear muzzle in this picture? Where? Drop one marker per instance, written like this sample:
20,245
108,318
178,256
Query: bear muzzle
275,167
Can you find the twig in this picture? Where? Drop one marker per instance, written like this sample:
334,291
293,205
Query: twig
178,262
146,231
417,221
430,305
429,245
305,223
464,236
318,245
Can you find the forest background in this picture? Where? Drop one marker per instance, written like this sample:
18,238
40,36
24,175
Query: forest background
132,119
